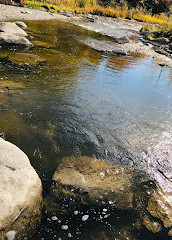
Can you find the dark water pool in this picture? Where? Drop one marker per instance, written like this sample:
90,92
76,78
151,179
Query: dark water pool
82,102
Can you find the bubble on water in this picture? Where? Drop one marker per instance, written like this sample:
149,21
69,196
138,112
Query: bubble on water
54,218
64,227
85,218
76,212
11,235
70,235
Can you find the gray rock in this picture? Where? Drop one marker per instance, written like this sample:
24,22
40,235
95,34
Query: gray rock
20,193
90,19
12,28
160,169
65,13
21,24
89,181
7,39
8,2
122,40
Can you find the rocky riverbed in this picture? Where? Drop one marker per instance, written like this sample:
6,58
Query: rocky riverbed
83,181
125,33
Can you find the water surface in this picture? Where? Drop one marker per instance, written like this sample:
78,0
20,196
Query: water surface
82,102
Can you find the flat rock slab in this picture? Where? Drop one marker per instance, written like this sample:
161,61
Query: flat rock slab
106,47
20,192
89,181
12,28
111,27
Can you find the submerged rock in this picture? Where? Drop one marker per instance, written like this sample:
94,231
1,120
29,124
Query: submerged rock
23,61
152,226
20,193
160,207
6,85
89,181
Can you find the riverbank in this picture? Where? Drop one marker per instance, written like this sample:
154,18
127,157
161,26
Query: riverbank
110,27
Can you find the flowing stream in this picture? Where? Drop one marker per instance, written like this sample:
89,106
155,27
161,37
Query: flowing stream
82,102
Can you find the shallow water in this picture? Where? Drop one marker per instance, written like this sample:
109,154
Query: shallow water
82,102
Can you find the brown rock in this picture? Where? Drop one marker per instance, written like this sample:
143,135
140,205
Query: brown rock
90,181
160,207
151,225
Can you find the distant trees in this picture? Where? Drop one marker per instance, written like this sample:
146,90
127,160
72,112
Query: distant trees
155,6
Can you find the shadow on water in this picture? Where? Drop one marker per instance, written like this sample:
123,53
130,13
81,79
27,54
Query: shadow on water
82,102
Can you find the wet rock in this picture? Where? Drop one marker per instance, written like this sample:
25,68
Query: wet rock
160,207
23,61
20,193
122,40
12,28
151,225
10,40
161,40
21,24
89,181
160,169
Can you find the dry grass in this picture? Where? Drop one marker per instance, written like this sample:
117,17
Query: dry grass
91,6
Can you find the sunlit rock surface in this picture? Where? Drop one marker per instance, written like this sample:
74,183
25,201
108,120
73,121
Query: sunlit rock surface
20,193
12,28
20,24
12,35
160,169
90,181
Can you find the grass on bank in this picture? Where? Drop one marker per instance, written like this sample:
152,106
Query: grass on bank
163,21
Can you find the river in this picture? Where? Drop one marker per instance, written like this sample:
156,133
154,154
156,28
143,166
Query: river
82,102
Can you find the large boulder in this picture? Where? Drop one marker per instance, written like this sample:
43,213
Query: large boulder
9,40
12,28
20,193
12,34
93,182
